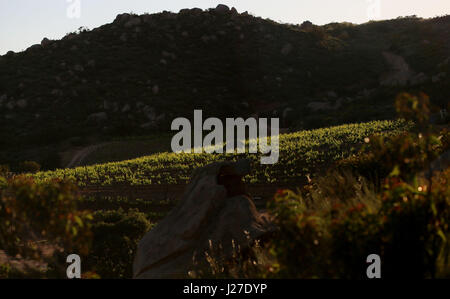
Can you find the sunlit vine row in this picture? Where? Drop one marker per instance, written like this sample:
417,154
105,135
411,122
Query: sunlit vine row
301,153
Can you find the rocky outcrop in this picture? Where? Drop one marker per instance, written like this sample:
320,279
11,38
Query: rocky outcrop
22,103
400,73
214,58
438,77
221,8
97,118
317,106
214,208
45,42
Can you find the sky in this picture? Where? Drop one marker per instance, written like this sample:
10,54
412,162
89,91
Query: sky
24,23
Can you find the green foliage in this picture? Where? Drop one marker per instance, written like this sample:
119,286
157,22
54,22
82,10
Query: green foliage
404,154
4,170
38,215
302,235
416,226
301,153
3,183
409,231
414,107
116,235
322,237
328,228
248,263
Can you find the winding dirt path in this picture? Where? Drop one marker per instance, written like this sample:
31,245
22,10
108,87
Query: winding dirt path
79,157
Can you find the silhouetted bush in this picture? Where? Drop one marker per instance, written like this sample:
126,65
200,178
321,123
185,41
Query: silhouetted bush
116,235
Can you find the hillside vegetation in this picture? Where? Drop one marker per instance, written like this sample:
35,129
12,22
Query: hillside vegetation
135,75
326,227
301,153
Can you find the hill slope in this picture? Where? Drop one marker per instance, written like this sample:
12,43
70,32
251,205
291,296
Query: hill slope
135,75
301,153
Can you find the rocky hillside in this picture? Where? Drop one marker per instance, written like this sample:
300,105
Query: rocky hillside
135,75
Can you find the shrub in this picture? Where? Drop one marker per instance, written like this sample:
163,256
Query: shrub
35,215
300,244
328,228
116,235
407,224
251,262
415,227
4,170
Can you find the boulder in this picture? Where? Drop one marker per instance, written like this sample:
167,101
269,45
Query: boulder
306,25
287,48
160,117
149,125
149,113
437,78
106,105
70,36
122,18
126,108
166,54
78,68
316,106
91,63
115,106
22,103
418,79
45,42
184,11
167,15
191,11
10,105
133,22
400,72
445,62
214,210
205,38
222,8
97,118
34,47
57,92
332,94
